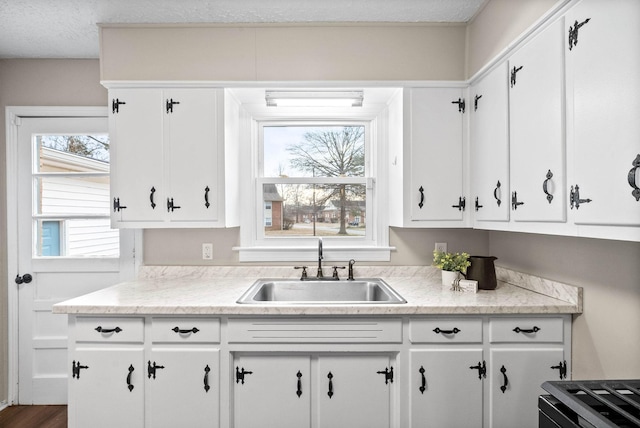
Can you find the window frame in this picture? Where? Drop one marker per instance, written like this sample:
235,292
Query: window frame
375,245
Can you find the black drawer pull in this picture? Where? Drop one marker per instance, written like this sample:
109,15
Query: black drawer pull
129,384
545,189
299,384
185,331
206,378
535,329
505,379
423,380
455,330
421,203
99,329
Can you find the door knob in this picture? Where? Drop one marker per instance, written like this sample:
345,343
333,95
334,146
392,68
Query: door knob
26,278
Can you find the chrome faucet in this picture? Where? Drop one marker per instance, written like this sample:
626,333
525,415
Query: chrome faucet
320,257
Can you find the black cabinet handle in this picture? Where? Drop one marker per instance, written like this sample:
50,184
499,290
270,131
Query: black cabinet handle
573,32
562,369
116,205
99,329
206,197
462,203
478,206
129,384
535,329
631,178
151,369
75,369
185,331
514,201
455,330
171,206
299,390
151,194
495,193
482,369
505,379
574,197
544,186
421,203
206,378
330,392
423,380
514,71
240,374
388,375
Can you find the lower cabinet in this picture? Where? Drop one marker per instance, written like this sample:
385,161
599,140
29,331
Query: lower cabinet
295,390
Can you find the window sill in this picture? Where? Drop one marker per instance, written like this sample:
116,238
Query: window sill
309,254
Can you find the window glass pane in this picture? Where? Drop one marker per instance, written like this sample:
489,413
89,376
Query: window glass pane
315,210
73,195
78,153
77,238
314,151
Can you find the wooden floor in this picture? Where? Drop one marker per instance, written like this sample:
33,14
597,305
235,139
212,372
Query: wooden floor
34,417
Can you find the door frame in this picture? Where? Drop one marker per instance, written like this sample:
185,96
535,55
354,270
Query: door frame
13,116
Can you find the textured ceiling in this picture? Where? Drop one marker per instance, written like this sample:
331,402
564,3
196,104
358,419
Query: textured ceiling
67,28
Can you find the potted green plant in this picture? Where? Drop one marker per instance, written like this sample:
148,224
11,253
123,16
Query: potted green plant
452,264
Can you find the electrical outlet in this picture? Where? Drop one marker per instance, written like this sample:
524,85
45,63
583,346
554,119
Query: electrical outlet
207,251
441,246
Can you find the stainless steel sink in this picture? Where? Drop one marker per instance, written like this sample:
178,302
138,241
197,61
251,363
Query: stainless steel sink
293,291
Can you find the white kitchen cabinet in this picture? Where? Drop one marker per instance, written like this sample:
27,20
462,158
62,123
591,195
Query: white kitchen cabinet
432,159
182,387
354,391
168,157
602,48
490,146
537,133
272,391
447,387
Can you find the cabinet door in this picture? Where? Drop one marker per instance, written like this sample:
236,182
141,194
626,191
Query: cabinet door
351,392
537,129
135,130
445,390
192,142
514,385
603,99
108,390
490,146
183,388
435,128
269,393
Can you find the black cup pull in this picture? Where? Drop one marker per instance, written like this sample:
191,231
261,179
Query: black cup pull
562,369
129,384
455,330
299,389
631,178
75,369
206,378
99,329
178,330
206,197
495,193
151,194
151,369
421,203
535,329
330,392
388,375
423,380
482,369
505,379
240,374
545,188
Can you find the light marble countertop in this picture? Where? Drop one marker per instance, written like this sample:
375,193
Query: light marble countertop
201,290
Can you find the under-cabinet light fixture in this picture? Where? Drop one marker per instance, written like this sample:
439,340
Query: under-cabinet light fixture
314,98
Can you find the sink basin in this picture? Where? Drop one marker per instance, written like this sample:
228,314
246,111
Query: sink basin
294,291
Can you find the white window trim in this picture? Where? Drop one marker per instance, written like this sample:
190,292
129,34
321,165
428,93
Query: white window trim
374,248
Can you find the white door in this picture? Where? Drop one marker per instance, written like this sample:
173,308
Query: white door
64,241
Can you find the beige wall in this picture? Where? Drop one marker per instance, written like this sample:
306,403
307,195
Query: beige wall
287,52
36,83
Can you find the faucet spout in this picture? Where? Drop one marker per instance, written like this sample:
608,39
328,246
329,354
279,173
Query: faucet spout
320,257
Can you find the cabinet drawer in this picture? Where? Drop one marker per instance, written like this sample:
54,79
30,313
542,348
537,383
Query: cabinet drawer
445,330
185,330
315,330
99,329
525,330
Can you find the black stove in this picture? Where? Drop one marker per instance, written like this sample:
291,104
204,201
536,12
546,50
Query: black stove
590,404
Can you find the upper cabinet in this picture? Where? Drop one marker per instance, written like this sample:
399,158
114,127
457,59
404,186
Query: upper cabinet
168,157
429,189
536,129
490,146
602,51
